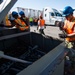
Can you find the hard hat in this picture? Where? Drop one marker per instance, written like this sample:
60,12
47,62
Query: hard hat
67,11
21,13
14,13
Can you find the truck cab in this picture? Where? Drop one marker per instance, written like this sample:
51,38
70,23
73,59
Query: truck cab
52,16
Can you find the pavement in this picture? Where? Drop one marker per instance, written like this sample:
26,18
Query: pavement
52,31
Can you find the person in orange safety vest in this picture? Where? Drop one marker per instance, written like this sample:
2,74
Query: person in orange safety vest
35,21
7,21
41,25
69,34
18,22
69,27
24,18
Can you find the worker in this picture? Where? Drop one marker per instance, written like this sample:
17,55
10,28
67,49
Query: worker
35,21
41,25
24,19
69,32
31,21
69,27
7,21
21,25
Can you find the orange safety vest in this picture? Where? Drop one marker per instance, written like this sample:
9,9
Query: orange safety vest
22,23
7,23
42,22
69,27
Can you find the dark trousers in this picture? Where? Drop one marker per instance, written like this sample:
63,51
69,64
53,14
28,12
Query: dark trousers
35,23
31,23
41,31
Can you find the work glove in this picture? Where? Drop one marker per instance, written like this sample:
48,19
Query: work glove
62,35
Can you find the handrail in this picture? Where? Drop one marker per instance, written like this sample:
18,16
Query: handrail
13,35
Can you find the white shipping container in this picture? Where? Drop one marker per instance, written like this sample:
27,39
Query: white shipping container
28,12
25,10
18,9
36,13
31,13
39,13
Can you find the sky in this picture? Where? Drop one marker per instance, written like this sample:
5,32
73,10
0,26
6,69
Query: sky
40,4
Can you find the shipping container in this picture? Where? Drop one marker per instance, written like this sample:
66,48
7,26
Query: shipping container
28,12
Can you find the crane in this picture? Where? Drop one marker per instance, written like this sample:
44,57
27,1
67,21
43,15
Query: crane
6,9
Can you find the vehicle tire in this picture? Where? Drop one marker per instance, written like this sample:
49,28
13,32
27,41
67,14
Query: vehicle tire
57,23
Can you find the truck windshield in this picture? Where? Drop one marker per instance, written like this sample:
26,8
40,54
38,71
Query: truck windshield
58,14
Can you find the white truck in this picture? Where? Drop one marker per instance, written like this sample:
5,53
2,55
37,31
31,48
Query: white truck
74,13
52,16
28,11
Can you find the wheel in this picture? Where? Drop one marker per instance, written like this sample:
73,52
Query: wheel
57,23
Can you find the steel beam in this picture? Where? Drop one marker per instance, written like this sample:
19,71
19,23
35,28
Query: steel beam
6,10
13,35
2,55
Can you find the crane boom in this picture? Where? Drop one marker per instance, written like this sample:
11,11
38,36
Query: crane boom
6,9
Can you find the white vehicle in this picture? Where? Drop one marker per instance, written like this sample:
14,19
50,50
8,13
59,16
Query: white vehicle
74,13
52,16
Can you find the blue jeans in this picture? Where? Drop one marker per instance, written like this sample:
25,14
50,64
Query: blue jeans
31,23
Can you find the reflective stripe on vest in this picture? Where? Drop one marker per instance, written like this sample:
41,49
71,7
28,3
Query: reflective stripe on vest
7,23
23,25
20,22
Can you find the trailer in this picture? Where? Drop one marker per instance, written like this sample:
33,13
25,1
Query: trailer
28,12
